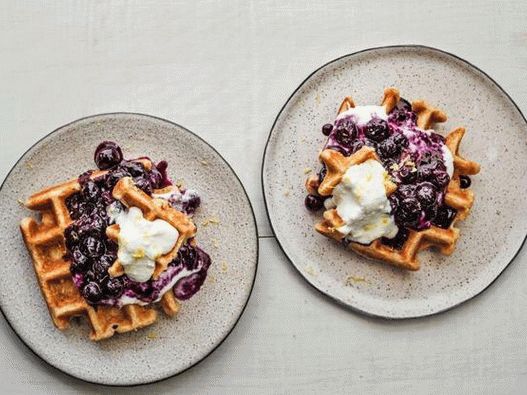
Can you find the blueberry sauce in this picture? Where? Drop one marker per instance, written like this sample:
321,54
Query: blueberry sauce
413,158
92,253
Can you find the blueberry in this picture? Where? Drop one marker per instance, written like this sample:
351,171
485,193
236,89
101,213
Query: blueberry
403,104
326,129
440,179
464,181
92,292
444,217
80,262
425,172
407,175
322,173
400,140
90,191
314,203
388,149
426,194
187,256
188,286
135,169
85,177
162,168
73,203
345,136
72,236
107,155
143,184
398,241
143,290
114,177
192,202
377,130
403,111
408,212
93,247
406,191
155,178
114,286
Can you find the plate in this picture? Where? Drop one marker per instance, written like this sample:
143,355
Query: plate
171,345
496,134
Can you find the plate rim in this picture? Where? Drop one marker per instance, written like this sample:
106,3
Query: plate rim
242,311
335,299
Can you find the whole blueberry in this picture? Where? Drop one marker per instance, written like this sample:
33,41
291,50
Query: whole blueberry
80,262
114,177
407,175
113,286
377,130
426,194
408,212
322,173
388,149
156,178
406,191
135,169
400,140
90,191
92,292
464,181
444,217
326,129
187,256
440,179
314,203
107,155
93,247
71,236
143,184
344,136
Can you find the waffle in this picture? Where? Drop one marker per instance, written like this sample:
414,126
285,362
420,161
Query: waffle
46,245
456,197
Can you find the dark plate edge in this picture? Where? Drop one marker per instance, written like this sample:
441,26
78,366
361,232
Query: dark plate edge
256,238
262,180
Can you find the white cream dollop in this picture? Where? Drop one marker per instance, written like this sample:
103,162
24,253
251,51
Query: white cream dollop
141,242
448,159
363,114
361,201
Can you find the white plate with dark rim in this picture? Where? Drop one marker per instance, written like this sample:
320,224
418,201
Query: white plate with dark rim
170,345
496,138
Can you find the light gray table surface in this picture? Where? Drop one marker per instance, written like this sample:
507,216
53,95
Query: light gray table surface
223,70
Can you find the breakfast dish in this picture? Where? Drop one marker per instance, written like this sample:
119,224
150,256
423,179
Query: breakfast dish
114,242
390,185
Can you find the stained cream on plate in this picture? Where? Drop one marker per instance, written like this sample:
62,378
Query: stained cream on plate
141,241
360,200
363,114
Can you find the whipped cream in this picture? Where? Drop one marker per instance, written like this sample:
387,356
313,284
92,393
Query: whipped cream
141,241
363,114
361,201
448,159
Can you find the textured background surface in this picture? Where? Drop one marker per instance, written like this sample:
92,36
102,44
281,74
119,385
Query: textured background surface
224,71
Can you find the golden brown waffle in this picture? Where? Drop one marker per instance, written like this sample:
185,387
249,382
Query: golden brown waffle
460,199
46,244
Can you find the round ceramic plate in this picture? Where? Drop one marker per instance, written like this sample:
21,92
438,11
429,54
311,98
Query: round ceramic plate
490,237
170,345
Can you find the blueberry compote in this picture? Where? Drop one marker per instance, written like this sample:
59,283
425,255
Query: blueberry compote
415,160
92,253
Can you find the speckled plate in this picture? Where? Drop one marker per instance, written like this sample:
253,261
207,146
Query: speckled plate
496,138
171,345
